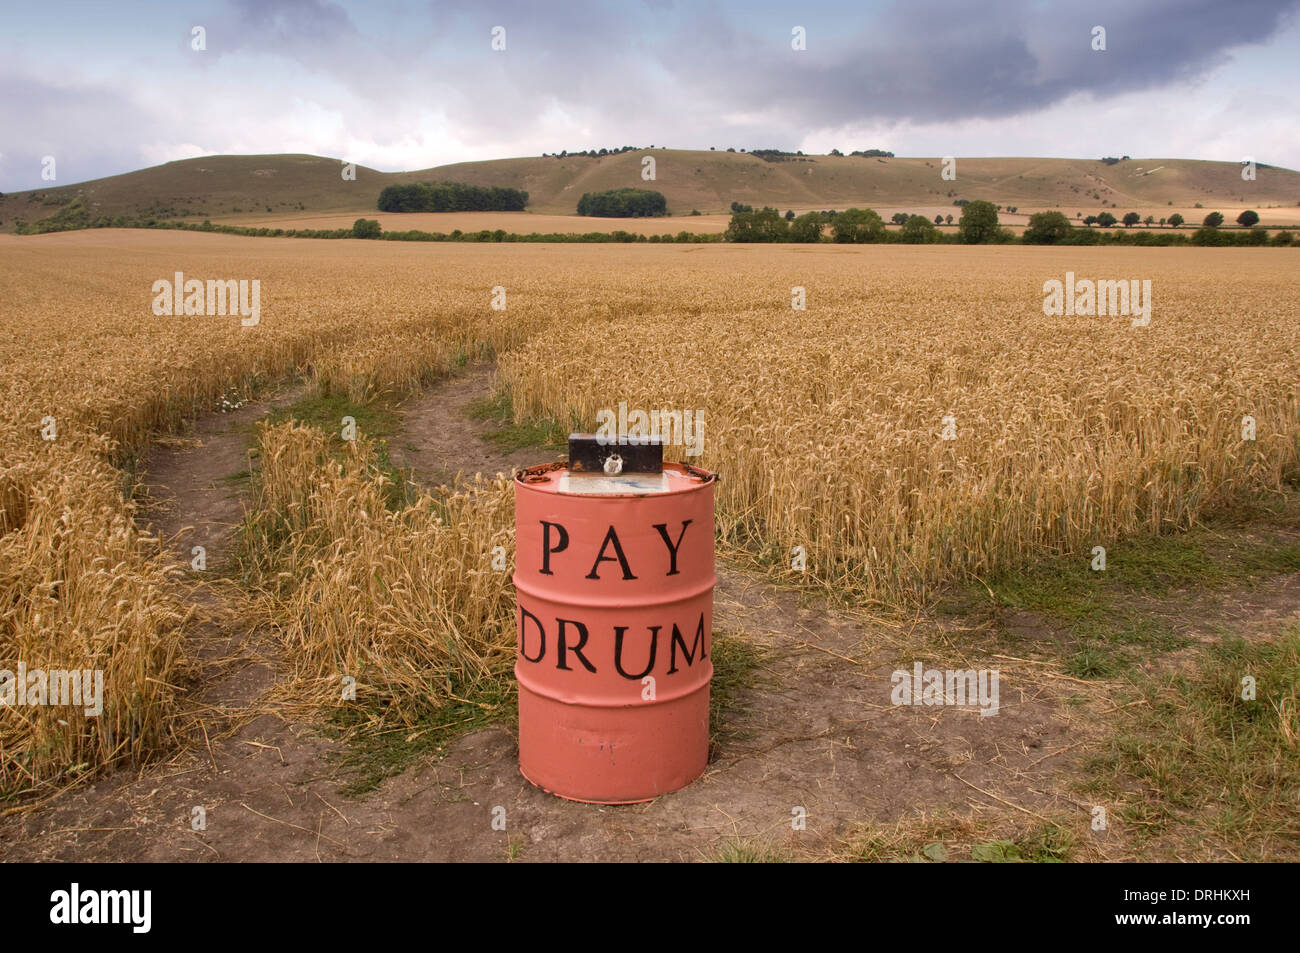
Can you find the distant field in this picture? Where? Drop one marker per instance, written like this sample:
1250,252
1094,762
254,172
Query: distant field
525,222
520,222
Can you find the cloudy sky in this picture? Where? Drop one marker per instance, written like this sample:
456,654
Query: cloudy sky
401,84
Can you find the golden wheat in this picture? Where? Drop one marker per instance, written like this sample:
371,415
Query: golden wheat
827,425
411,603
83,585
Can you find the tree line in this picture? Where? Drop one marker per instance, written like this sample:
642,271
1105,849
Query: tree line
858,226
451,197
1054,228
623,203
979,225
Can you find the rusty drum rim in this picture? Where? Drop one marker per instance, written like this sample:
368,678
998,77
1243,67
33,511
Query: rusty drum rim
535,477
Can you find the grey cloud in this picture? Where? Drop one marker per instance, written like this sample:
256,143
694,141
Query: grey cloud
80,126
937,61
651,67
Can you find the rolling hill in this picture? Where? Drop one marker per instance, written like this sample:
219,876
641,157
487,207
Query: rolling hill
272,188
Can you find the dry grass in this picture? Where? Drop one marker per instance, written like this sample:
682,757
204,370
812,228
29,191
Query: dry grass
82,584
82,588
406,601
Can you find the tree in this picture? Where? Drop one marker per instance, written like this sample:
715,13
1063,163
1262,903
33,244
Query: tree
919,230
450,197
623,203
938,220
858,226
789,215
1213,220
765,225
979,223
1151,219
366,228
1090,221
1175,220
1131,219
1106,220
806,228
947,219
1248,218
1047,228
899,218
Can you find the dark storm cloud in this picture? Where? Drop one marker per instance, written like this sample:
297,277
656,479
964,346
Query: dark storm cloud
934,61
624,67
920,60
319,36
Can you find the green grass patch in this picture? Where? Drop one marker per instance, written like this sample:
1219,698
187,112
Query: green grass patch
1193,755
945,837
130,474
748,851
515,844
507,435
496,408
1107,616
1070,589
326,412
736,664
1045,844
373,756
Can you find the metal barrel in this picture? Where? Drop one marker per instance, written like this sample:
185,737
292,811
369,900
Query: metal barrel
614,577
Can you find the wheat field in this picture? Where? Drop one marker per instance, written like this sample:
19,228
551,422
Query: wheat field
828,426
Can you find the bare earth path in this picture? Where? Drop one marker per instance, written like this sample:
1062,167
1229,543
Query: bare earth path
439,439
816,731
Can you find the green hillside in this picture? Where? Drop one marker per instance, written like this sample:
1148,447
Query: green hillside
232,187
